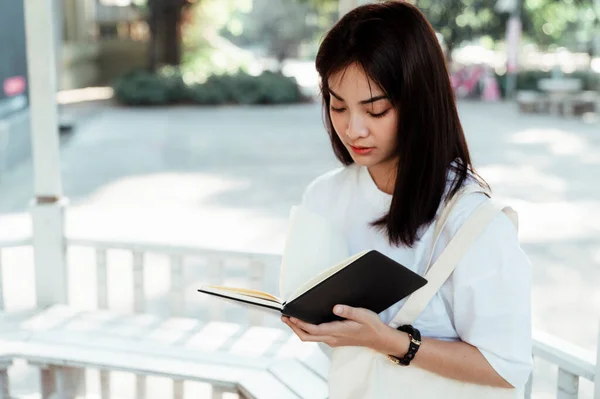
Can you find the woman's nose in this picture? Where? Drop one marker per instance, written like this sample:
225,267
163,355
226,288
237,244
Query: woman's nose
357,128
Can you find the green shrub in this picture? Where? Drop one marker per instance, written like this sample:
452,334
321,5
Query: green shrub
246,89
177,90
143,88
279,89
213,92
242,88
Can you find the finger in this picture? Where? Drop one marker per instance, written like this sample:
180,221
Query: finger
306,337
312,329
331,329
291,325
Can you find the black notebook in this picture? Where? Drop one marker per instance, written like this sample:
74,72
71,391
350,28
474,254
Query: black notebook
368,280
318,272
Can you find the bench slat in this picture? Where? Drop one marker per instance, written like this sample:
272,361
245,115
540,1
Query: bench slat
75,356
132,347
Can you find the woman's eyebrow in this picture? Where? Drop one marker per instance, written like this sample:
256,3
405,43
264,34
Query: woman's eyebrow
369,101
373,99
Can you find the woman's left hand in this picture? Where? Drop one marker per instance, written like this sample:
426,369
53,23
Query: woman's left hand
362,327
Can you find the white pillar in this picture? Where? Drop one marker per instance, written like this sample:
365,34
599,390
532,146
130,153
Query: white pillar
47,208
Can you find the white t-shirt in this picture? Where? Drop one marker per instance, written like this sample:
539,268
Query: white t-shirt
485,302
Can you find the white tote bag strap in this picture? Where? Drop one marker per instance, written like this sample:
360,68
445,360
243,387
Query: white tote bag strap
442,220
439,272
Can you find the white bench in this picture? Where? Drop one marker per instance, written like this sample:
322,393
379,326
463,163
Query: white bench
256,362
581,103
532,102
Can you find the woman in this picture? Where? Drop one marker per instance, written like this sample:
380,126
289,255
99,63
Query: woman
392,120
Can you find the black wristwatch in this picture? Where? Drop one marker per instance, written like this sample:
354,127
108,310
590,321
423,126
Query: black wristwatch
415,343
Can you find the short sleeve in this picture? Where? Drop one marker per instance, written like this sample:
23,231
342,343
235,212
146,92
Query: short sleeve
491,297
320,194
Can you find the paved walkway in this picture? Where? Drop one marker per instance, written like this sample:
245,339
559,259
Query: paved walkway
226,177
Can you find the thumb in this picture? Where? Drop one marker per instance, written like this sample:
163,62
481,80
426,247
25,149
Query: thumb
350,313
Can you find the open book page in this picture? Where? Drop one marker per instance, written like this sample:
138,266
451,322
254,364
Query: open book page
229,291
240,298
313,246
323,276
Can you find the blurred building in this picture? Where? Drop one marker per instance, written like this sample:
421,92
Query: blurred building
99,40
14,119
96,41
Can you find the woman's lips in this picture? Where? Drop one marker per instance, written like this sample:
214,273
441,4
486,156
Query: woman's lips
361,150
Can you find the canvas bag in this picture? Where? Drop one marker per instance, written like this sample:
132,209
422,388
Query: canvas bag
362,373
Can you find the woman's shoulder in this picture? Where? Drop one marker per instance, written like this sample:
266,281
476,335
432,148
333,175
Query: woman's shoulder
471,195
467,204
498,243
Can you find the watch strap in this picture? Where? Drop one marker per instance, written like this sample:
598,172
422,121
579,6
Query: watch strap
415,343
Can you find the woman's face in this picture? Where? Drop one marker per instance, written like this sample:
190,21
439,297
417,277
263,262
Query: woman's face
362,116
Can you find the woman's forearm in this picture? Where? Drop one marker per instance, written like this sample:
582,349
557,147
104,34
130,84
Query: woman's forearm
456,360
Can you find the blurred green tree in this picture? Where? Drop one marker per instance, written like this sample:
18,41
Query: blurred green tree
574,24
279,27
460,21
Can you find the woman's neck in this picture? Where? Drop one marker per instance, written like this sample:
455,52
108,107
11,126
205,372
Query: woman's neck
384,175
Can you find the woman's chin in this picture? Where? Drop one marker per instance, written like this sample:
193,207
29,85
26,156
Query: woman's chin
371,160
364,160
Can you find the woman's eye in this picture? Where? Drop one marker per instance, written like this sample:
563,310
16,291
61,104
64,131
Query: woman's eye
379,115
334,109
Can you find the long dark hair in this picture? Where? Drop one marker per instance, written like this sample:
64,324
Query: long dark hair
398,50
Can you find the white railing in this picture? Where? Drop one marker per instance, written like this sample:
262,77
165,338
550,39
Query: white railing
573,364
9,245
572,361
256,267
